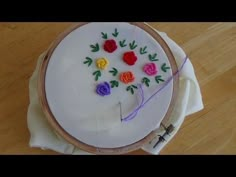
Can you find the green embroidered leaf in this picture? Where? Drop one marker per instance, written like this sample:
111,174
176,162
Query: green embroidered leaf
95,47
131,88
114,71
164,67
158,78
132,91
146,81
104,35
122,43
152,57
88,61
128,88
115,34
143,50
97,74
114,83
132,45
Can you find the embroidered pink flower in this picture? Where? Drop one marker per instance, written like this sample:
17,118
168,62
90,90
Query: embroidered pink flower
150,69
130,58
110,46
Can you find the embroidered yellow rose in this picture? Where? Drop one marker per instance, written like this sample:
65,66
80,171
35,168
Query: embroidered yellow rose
102,63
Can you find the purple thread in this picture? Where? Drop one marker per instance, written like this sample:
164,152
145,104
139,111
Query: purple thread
135,112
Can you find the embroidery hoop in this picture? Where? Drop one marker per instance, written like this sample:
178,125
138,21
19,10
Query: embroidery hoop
59,130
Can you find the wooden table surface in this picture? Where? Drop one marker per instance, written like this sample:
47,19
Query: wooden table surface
210,46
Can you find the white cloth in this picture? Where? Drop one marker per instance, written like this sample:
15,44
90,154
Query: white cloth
189,101
189,98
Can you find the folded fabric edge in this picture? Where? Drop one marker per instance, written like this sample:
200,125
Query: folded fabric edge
176,122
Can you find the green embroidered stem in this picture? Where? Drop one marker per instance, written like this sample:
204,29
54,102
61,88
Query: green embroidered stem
88,61
158,79
131,88
143,50
122,43
132,45
114,71
114,83
95,47
164,67
97,74
104,35
152,57
115,34
146,81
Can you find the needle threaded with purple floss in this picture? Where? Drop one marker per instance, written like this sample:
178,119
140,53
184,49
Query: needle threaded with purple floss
142,104
135,112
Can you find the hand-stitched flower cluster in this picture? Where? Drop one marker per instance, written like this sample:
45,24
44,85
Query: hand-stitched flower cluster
129,57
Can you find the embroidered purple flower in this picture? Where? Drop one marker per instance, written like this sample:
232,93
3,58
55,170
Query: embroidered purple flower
103,89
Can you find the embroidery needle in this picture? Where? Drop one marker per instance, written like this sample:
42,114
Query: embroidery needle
120,112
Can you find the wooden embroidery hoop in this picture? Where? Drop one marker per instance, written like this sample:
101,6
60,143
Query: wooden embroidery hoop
59,130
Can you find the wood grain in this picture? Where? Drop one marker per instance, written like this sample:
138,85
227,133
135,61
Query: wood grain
210,46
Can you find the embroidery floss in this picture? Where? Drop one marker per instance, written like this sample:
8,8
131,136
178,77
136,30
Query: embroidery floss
142,104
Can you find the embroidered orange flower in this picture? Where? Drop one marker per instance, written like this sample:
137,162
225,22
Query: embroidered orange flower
127,77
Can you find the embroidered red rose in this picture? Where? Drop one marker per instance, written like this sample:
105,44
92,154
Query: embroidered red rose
127,77
129,58
110,46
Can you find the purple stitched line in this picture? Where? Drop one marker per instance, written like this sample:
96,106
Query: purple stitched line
135,112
